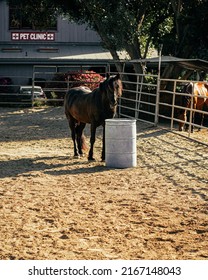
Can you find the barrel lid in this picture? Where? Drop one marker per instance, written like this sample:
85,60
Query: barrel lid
120,121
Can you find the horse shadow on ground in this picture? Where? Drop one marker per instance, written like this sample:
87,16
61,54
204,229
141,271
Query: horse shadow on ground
81,170
24,166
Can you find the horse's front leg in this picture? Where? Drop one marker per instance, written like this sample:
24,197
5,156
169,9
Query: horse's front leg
92,141
192,120
103,148
201,120
182,117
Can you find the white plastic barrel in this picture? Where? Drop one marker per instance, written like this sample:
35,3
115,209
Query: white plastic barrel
120,143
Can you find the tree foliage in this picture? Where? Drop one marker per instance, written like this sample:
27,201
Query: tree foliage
40,14
190,29
130,25
134,25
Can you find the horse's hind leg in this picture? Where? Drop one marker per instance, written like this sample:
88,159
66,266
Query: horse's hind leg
72,125
80,137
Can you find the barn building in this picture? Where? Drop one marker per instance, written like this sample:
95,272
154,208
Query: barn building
22,46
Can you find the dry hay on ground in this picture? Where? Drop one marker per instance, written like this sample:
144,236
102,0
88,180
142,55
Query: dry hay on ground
55,207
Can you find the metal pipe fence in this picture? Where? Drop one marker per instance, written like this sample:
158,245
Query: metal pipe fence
139,97
159,102
51,78
146,97
10,94
170,108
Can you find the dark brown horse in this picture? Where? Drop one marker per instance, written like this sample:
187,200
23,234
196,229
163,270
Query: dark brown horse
199,91
84,106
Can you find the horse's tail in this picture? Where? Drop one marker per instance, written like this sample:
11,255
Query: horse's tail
83,142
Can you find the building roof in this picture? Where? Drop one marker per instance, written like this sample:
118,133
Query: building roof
54,52
34,53
191,64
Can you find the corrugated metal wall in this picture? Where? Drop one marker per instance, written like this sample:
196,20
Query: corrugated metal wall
71,32
4,22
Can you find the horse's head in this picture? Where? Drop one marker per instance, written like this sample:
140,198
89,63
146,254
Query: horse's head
112,87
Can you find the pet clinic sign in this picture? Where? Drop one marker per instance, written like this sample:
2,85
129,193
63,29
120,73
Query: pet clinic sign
33,36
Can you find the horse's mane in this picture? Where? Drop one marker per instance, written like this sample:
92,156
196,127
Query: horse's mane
108,82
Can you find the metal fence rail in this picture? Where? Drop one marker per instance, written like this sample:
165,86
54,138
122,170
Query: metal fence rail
9,91
50,78
56,82
139,97
157,101
146,97
173,105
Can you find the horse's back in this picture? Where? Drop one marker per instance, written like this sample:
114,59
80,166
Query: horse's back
199,91
78,103
75,94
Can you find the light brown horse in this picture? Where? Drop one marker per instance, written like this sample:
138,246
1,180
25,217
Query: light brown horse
199,91
84,106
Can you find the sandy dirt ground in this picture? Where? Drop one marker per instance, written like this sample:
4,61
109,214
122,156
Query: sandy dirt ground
53,206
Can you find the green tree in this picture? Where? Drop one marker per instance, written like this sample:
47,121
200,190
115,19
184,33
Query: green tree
190,29
135,26
40,14
127,25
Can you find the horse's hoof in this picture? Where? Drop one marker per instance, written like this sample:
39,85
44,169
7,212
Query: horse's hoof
91,159
76,156
81,155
